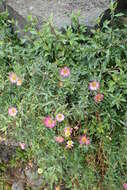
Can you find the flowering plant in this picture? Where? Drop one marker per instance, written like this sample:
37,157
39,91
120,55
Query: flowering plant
63,97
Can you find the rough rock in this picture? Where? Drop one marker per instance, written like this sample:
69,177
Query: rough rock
7,151
122,5
34,180
17,186
21,177
20,20
60,10
2,6
121,8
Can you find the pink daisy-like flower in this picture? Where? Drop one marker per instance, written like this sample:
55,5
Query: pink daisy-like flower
67,131
125,186
69,144
59,139
60,117
49,122
65,72
12,111
84,140
98,98
22,145
19,82
13,77
94,85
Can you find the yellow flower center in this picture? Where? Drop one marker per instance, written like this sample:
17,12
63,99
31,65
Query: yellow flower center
69,143
59,116
13,110
94,84
67,133
14,77
84,139
50,121
65,71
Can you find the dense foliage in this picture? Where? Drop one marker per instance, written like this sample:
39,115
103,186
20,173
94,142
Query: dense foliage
97,112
